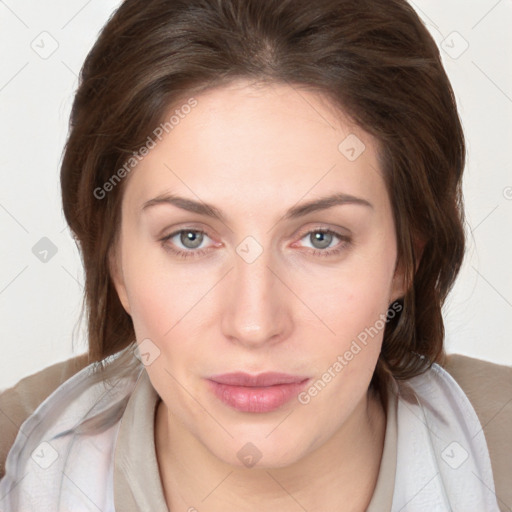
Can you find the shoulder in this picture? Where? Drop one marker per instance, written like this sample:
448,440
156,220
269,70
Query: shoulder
487,385
20,401
489,389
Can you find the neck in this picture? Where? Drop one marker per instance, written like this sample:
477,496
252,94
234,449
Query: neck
339,475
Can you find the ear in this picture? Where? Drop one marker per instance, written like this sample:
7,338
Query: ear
400,285
116,274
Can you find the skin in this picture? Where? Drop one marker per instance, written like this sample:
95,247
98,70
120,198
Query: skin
253,152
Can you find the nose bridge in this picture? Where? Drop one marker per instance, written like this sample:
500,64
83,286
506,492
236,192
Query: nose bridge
255,311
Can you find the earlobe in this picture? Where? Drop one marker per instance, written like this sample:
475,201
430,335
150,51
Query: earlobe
116,274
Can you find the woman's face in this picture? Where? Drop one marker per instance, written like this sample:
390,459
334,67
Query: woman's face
253,284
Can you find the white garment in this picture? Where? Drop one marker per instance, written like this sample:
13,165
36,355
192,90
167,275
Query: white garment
53,466
443,463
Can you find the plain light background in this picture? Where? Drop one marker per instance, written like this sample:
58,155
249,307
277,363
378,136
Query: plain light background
42,48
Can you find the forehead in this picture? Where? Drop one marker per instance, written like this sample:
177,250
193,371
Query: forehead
243,142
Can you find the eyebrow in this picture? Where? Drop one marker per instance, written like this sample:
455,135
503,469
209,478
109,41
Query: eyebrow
295,212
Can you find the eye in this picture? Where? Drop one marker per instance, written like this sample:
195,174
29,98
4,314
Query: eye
322,238
190,239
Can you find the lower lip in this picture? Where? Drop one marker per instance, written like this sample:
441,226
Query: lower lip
253,399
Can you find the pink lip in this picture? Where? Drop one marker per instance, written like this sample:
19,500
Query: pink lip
256,393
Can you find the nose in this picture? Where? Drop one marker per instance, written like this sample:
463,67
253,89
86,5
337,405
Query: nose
256,303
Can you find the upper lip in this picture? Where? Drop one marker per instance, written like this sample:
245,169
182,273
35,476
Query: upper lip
260,380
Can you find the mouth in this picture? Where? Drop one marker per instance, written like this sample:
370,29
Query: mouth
261,393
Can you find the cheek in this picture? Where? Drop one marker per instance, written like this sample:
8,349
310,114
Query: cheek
353,306
355,312
353,298
357,320
151,295
159,292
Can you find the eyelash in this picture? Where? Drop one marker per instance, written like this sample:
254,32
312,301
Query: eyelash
345,241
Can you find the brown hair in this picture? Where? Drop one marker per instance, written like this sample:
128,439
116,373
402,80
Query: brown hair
373,59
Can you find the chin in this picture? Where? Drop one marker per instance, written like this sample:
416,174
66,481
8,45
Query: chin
259,450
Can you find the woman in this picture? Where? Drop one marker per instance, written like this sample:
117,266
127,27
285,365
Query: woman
267,197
